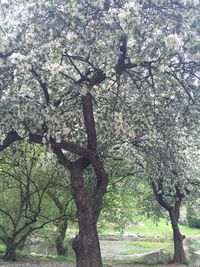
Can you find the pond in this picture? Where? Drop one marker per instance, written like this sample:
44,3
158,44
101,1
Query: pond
46,248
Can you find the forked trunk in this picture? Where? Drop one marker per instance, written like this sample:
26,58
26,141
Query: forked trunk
86,243
179,254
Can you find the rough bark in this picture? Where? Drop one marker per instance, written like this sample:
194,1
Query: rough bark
86,243
179,254
22,243
61,249
174,214
10,254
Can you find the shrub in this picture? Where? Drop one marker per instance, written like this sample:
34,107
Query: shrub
193,217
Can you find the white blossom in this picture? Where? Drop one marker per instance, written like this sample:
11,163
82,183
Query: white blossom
173,41
84,90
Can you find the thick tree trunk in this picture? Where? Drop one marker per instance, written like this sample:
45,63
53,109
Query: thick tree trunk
86,243
10,254
61,250
179,254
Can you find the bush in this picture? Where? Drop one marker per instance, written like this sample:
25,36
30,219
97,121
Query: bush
193,217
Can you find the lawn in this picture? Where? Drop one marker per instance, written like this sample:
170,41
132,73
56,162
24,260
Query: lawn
162,228
148,227
145,246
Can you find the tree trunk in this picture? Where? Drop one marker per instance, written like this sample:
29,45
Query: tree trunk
22,243
86,243
10,254
179,254
61,231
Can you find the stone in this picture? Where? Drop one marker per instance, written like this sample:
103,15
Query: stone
156,257
195,259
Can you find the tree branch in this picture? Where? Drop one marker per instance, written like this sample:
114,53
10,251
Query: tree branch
43,86
89,122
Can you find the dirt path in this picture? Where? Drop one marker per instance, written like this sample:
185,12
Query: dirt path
36,263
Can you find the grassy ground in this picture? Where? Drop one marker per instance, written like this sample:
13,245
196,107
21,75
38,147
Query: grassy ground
22,255
145,246
148,227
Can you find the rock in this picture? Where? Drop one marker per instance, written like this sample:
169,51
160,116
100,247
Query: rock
131,237
155,257
195,259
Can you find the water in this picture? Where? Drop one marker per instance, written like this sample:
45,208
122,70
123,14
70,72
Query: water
45,247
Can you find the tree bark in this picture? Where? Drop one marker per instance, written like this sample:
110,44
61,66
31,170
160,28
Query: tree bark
62,227
179,254
86,243
22,243
10,254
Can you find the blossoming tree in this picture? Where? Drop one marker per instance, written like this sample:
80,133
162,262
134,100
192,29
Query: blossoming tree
70,73
170,167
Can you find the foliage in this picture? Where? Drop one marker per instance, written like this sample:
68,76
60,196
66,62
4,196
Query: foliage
45,73
193,217
24,179
118,207
59,201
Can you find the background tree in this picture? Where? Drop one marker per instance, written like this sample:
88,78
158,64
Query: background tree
118,207
23,185
63,207
166,160
193,217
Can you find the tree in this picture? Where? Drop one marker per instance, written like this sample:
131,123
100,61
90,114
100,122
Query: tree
193,218
23,185
73,73
118,206
63,208
166,155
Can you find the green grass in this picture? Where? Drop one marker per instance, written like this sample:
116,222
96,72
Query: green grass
21,255
148,227
144,246
57,258
150,245
188,231
2,248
